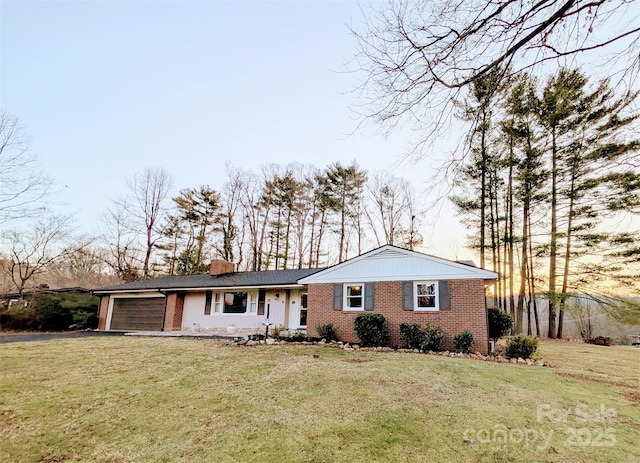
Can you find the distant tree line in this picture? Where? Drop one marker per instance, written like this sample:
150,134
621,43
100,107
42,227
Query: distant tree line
281,217
277,217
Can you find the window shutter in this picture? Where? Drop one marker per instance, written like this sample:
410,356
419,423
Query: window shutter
443,295
207,303
262,294
337,296
368,296
407,295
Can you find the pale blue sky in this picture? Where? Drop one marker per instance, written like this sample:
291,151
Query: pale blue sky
108,88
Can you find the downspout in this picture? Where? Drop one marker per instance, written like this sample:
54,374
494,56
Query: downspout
164,315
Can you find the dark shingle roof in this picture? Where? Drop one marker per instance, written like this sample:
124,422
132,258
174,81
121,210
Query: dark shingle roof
225,280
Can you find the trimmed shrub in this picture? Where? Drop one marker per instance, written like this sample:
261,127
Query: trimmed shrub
371,329
297,336
327,332
432,338
19,318
464,342
83,307
521,346
500,323
411,335
50,312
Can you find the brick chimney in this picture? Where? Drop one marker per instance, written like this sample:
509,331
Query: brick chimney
218,267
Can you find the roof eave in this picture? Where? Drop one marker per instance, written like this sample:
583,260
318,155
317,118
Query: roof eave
200,288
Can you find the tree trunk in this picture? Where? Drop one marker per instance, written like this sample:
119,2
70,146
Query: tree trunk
342,225
320,233
532,287
483,190
523,268
512,306
551,332
567,256
147,254
286,241
311,239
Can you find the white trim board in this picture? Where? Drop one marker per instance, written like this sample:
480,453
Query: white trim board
390,263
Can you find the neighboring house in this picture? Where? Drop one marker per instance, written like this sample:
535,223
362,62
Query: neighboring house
401,284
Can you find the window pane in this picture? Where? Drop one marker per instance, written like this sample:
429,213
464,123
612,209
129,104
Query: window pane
426,294
426,301
303,317
303,300
354,290
354,296
253,301
235,302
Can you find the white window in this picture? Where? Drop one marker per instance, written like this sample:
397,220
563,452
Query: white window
354,296
217,305
253,302
303,309
426,295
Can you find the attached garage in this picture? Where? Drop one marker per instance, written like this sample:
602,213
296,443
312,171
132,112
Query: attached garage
138,313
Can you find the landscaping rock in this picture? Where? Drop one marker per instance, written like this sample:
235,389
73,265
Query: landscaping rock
513,360
530,362
521,361
540,363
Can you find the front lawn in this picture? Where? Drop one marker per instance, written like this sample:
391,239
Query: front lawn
125,399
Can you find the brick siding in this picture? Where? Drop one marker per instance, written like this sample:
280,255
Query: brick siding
173,312
102,313
467,312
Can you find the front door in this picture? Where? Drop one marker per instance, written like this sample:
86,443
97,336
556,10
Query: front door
276,302
297,310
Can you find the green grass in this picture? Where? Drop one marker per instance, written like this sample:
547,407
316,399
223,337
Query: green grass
123,399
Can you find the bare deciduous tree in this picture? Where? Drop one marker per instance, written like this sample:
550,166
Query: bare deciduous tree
148,192
122,253
416,55
84,266
23,184
389,216
33,249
